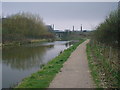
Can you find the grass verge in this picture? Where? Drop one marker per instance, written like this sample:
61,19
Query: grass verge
93,67
104,70
42,78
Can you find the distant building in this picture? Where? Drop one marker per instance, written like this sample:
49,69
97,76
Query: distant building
49,28
67,30
84,30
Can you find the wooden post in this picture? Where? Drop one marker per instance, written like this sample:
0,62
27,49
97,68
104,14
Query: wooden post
110,53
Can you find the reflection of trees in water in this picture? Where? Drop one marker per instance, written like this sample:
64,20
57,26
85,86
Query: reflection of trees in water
24,57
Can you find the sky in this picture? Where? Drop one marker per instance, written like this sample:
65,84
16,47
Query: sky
64,14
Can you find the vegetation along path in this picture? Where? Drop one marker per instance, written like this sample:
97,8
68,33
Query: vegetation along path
75,72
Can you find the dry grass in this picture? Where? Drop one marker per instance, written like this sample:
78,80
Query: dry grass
106,64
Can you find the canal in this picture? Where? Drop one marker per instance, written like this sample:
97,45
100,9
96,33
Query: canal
20,62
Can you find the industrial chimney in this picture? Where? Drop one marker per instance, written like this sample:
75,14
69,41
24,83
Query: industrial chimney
81,27
73,28
53,27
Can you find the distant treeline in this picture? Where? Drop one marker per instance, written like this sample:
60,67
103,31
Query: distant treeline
24,26
107,32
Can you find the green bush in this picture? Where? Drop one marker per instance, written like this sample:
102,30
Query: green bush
23,26
107,32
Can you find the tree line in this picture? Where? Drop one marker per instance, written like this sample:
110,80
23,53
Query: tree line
24,26
107,31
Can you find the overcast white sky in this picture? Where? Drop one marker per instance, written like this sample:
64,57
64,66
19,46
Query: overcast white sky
64,14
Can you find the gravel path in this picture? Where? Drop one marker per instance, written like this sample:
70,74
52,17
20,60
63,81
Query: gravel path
75,72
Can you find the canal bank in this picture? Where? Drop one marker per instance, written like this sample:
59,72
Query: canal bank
43,77
28,41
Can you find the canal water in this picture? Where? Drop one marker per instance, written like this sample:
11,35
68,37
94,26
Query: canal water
20,62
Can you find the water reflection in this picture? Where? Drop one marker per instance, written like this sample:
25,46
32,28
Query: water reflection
24,57
19,62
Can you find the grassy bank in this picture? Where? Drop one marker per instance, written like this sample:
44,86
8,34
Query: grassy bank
18,43
104,65
42,78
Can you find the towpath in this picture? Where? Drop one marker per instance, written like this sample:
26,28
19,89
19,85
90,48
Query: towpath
75,72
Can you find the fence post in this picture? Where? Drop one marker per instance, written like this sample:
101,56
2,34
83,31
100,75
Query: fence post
110,53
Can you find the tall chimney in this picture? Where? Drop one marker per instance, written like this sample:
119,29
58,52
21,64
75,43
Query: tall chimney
73,28
81,27
53,26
